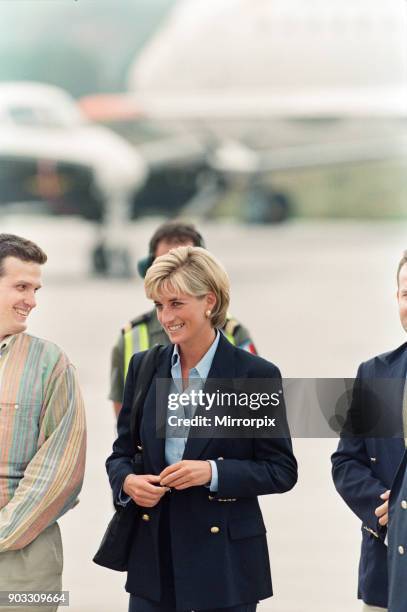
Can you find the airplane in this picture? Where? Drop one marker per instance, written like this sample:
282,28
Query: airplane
225,93
274,57
51,154
272,85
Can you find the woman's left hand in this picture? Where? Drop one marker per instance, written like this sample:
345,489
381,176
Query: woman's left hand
186,473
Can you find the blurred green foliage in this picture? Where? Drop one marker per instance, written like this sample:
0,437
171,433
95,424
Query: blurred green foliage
365,190
355,191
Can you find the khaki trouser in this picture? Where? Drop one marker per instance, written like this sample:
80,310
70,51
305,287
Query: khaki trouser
367,608
37,567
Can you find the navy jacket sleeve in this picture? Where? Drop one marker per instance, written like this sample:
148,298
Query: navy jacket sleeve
120,463
273,468
354,479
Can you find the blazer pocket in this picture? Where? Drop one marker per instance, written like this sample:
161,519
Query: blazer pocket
246,528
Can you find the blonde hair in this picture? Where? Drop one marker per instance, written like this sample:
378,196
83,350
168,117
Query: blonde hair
190,270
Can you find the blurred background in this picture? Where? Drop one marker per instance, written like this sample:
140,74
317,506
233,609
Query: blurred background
279,127
258,111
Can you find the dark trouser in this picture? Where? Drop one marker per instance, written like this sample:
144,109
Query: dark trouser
167,603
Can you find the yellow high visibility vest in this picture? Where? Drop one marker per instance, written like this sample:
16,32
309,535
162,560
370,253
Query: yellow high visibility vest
130,346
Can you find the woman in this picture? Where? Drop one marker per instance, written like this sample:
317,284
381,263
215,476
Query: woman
190,551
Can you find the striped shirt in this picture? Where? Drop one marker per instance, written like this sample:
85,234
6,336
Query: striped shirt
42,438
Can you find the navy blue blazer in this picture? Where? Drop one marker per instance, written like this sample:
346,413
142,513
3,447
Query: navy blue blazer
397,549
363,468
211,570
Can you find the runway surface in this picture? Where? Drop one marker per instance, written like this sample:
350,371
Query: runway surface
319,298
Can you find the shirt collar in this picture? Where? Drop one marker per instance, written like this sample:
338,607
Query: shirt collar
6,342
204,365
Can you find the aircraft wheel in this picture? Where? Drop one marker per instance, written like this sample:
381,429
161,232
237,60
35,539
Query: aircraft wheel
267,207
100,260
114,262
279,208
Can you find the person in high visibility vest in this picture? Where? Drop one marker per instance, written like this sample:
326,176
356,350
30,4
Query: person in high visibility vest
144,331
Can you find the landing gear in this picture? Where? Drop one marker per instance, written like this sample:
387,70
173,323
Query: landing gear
111,261
267,207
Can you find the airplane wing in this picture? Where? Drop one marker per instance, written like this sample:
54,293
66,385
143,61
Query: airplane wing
233,157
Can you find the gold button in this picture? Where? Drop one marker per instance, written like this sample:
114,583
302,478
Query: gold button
404,504
211,497
215,529
145,517
401,550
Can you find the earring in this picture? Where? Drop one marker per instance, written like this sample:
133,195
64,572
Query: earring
208,313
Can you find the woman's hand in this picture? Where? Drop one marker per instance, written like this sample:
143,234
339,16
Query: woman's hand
144,489
186,473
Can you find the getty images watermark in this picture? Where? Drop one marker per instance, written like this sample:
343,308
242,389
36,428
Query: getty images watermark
264,408
220,408
187,403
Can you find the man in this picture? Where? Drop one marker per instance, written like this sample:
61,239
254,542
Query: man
397,552
363,469
145,331
42,432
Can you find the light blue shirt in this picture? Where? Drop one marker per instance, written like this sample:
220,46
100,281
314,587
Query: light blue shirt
174,447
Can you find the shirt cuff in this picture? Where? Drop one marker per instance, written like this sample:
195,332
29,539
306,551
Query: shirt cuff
213,487
122,498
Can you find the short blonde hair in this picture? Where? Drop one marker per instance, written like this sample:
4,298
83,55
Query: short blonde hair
190,270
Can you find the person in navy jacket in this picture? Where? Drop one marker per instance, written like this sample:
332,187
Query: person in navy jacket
397,544
397,528
364,468
200,542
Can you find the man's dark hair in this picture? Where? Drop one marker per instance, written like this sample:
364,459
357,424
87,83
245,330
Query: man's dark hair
175,232
402,261
21,248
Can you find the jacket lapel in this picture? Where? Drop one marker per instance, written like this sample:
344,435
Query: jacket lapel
395,368
223,367
155,413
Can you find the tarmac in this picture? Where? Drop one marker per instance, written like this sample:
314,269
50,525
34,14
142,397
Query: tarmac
318,298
